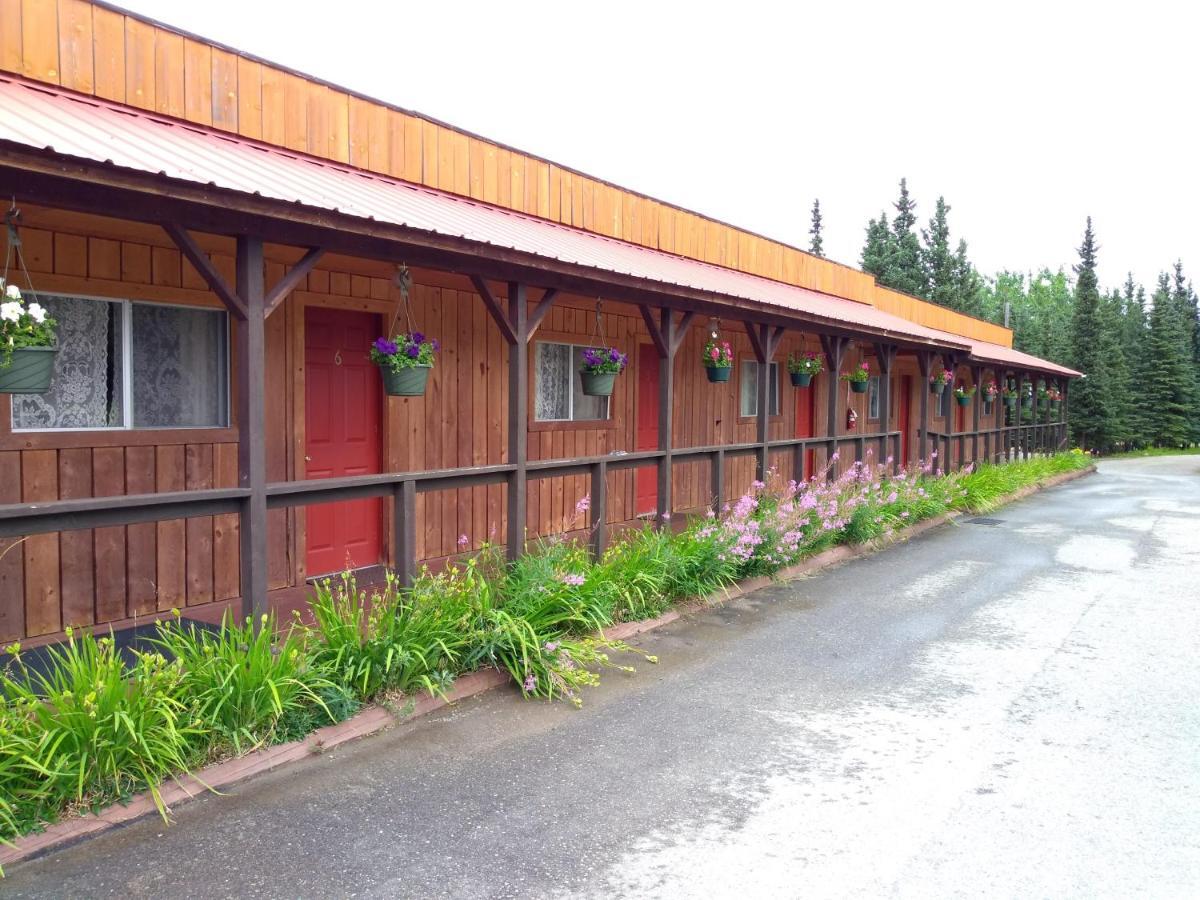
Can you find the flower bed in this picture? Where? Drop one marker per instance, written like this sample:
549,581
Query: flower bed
94,730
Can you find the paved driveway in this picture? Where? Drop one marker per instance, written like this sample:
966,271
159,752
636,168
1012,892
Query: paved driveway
1003,709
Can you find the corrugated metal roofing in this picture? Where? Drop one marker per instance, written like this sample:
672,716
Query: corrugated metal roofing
47,118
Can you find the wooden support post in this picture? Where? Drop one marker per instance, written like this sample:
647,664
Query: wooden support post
764,340
976,410
518,408
798,454
1022,438
885,355
667,337
834,348
666,414
717,476
404,530
251,407
925,368
599,508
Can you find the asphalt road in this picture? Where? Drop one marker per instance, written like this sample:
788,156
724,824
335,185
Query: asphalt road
1007,709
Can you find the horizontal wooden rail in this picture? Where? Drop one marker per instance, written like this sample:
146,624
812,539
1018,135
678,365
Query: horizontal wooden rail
20,519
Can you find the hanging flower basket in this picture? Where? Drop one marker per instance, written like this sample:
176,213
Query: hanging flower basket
405,362
938,381
963,400
963,394
717,360
409,382
1010,400
601,366
27,350
858,378
802,368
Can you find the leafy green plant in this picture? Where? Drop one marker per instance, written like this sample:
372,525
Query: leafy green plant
385,640
89,729
239,680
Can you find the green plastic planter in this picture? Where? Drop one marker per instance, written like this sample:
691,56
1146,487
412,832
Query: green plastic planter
1010,402
937,387
800,379
410,382
30,372
859,387
963,401
1027,403
718,374
598,384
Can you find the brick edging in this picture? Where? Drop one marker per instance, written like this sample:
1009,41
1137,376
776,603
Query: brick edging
374,719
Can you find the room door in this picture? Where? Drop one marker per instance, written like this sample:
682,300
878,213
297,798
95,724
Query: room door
904,418
343,413
647,426
806,427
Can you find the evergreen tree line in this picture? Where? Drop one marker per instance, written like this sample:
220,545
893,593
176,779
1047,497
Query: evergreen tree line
1141,354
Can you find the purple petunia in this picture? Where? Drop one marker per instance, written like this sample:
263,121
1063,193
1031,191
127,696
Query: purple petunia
435,345
414,351
385,347
417,337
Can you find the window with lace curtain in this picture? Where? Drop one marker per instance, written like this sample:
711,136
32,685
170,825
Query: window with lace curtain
122,364
558,393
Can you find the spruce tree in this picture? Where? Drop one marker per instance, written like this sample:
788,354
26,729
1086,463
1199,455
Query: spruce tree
1091,399
1116,370
904,270
877,250
941,272
816,246
1171,383
1135,339
968,284
1183,300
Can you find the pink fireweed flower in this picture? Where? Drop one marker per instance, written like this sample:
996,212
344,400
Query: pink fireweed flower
463,540
573,580
892,497
836,455
550,646
584,504
530,684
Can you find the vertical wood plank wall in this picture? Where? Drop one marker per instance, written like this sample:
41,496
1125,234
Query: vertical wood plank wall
110,574
126,59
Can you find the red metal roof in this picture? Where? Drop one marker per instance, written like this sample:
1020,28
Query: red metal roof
44,117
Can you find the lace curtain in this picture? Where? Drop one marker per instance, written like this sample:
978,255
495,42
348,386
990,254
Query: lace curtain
86,391
179,367
552,377
179,372
558,391
748,389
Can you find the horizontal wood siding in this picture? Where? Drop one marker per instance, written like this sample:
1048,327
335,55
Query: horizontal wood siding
120,57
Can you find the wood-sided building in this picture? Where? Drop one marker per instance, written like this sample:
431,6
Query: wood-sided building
220,239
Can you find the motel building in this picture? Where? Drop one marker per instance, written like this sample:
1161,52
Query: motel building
221,239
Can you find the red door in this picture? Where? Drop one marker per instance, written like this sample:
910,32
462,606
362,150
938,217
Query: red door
806,427
342,428
647,426
904,418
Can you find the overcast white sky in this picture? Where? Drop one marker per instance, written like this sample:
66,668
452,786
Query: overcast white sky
1026,116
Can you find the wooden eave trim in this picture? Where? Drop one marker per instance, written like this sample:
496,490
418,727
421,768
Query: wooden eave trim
57,181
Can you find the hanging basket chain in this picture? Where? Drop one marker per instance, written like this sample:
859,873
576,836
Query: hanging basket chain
599,329
403,282
12,219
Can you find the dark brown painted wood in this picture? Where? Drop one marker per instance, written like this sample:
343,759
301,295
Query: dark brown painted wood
294,277
252,455
518,412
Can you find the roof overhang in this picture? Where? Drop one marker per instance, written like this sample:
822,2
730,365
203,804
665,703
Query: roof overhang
81,153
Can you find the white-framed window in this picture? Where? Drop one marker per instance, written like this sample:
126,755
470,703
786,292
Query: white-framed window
558,392
989,404
123,364
873,397
748,389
